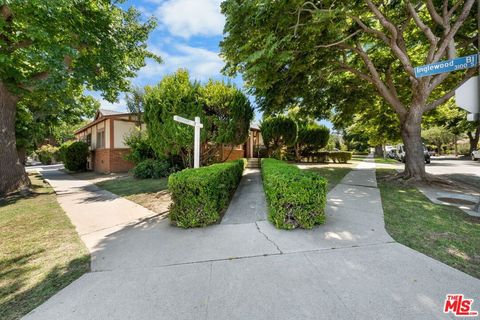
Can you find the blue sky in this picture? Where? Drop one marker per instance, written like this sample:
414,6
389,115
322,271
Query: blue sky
187,36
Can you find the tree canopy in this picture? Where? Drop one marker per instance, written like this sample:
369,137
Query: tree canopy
60,47
224,111
325,55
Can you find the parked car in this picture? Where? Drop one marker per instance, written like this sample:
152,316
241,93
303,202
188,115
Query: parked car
401,153
392,153
475,155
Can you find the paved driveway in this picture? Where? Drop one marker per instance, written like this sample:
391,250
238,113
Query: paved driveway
348,268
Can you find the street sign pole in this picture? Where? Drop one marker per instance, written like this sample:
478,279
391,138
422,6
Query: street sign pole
196,148
196,137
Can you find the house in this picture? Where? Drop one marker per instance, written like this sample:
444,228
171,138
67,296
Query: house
106,137
250,149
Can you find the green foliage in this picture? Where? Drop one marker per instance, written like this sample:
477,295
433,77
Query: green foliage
223,109
53,45
47,154
349,56
62,150
52,51
296,198
54,118
311,138
277,133
140,147
340,156
151,168
199,196
314,136
75,158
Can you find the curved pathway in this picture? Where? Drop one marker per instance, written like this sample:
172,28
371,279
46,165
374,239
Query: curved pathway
348,268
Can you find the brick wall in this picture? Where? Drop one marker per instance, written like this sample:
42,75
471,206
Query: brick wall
236,154
101,160
117,161
107,160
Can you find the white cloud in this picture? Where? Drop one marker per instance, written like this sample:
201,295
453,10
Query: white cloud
201,63
186,18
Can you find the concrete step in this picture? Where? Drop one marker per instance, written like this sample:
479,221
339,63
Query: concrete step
253,163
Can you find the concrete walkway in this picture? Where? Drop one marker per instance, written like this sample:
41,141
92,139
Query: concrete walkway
94,212
248,203
348,268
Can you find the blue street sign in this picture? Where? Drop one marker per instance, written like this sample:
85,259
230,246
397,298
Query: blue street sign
447,66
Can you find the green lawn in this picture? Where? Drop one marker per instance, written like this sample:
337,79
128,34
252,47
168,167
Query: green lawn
40,251
333,174
150,193
442,232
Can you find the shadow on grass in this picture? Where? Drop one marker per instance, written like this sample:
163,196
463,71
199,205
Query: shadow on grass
15,303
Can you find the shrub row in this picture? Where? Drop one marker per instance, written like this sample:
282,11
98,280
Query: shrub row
340,156
199,196
152,168
295,198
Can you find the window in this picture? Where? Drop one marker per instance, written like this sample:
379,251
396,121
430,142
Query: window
89,139
100,140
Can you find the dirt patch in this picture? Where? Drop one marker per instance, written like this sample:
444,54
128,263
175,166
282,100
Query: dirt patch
158,202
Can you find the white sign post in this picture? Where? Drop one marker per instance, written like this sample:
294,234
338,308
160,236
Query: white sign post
196,139
466,97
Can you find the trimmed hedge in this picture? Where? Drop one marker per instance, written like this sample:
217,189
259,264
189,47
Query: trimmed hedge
340,156
296,198
199,196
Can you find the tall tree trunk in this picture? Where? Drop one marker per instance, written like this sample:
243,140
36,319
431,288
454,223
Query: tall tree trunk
455,141
411,130
473,138
378,151
12,172
297,152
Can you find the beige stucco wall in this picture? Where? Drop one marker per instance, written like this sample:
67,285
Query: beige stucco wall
122,129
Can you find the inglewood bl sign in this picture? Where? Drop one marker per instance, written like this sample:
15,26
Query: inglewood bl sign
447,66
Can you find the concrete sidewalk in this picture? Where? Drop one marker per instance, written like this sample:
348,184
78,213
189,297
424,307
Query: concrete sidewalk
348,268
94,212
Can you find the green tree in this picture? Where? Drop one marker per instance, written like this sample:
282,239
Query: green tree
224,110
277,133
135,101
437,136
325,54
454,119
51,119
60,46
312,138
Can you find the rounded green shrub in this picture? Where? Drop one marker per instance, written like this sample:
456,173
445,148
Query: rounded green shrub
62,150
151,168
47,154
76,154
